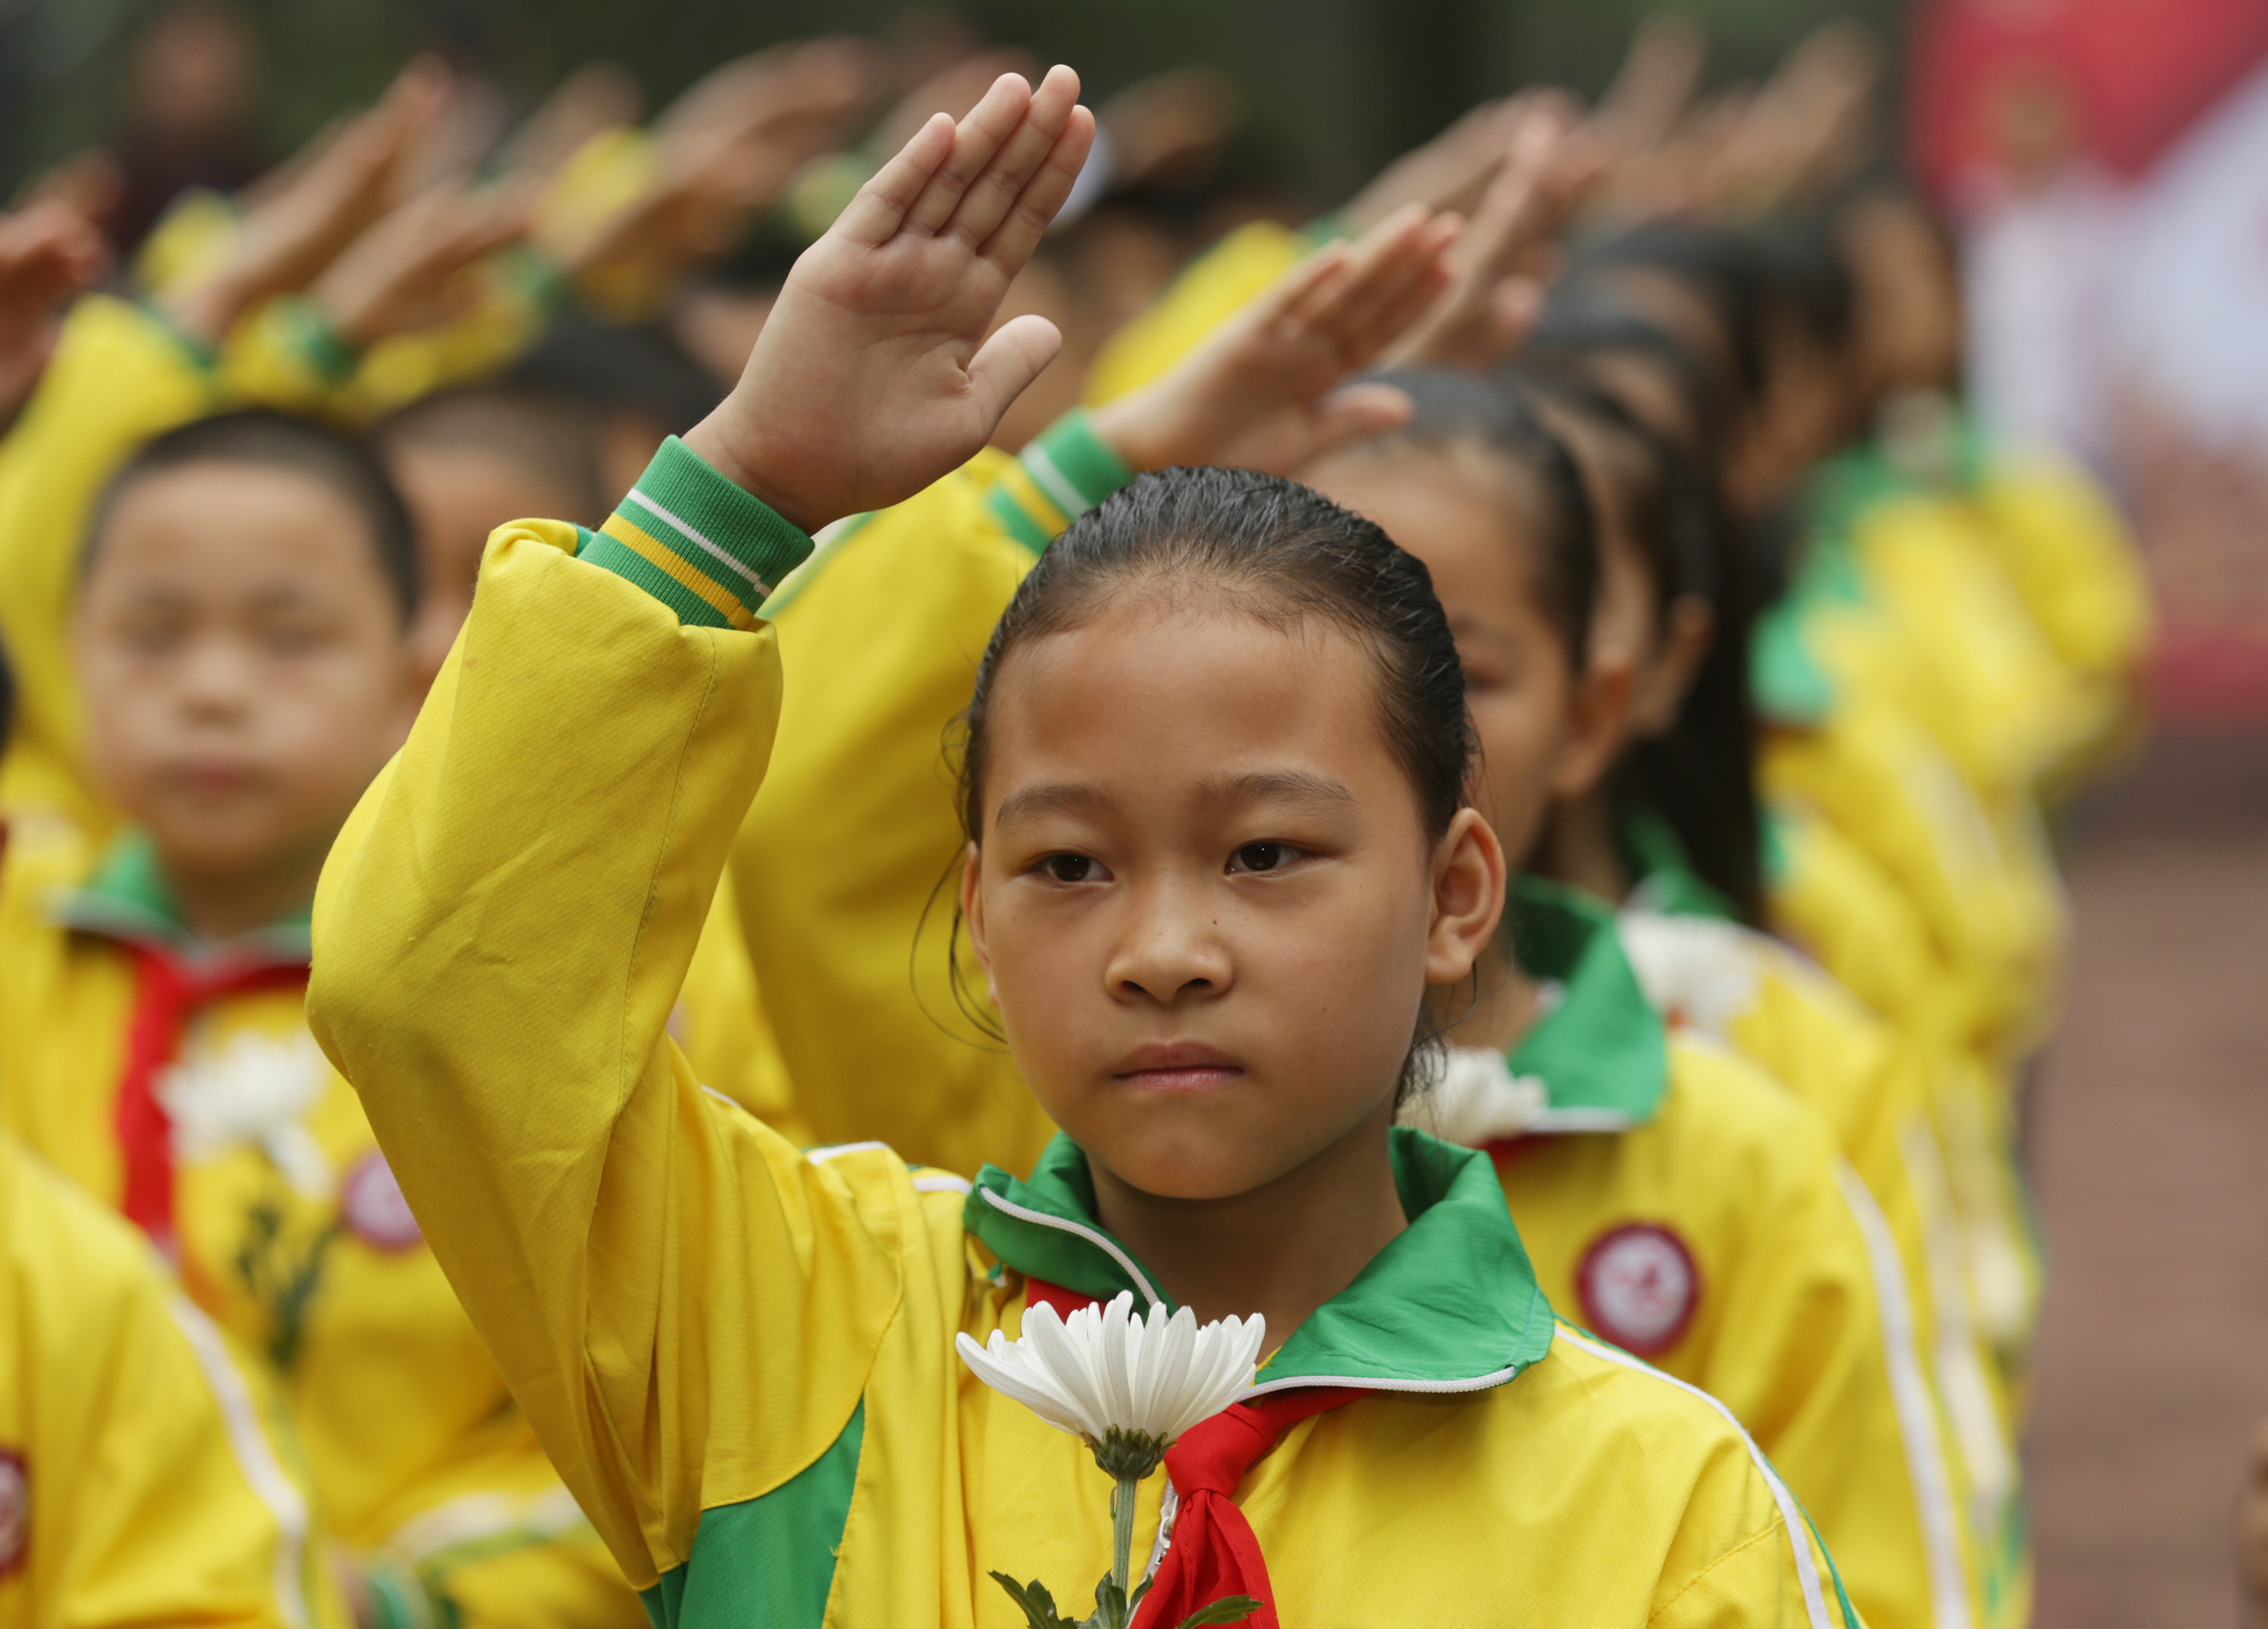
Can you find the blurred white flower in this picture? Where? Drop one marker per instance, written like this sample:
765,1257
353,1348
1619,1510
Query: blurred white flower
253,1088
1114,1379
1693,970
1478,1101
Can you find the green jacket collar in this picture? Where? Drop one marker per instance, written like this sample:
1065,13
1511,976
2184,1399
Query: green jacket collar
127,899
1451,1305
1600,1051
1667,882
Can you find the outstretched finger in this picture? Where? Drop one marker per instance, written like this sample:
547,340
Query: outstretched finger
1365,319
879,208
994,192
977,140
1357,413
1008,362
1034,208
1362,259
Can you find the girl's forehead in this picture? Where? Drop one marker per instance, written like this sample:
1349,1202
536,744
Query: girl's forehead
1168,684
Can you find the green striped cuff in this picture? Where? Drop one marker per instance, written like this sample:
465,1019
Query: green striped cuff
1066,470
692,540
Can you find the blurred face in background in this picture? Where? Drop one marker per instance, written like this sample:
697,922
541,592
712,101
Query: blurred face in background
243,663
196,70
457,496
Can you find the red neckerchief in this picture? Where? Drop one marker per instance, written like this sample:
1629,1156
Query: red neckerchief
1214,1553
167,993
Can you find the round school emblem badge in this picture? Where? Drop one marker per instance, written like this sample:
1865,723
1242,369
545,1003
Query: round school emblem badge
15,1511
371,1205
1639,1287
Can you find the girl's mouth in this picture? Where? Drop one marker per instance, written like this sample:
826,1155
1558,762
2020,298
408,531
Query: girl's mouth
1177,1067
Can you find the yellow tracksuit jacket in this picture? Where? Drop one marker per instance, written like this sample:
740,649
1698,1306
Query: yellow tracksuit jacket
1872,1085
1678,1202
741,1355
292,1236
143,1479
862,1042
118,377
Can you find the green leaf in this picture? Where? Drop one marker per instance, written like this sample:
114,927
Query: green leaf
1110,1611
1039,1606
1229,1610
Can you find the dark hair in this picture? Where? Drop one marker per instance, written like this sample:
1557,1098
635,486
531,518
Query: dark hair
273,440
1583,324
1275,550
549,436
613,370
1453,408
1662,491
1716,264
1802,271
1699,775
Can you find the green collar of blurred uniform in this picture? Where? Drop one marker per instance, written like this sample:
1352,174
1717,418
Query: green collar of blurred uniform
127,899
1656,856
1600,1050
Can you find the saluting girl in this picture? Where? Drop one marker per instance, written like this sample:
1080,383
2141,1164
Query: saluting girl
1220,856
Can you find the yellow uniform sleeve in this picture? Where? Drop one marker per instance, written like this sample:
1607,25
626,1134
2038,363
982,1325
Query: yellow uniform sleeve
847,869
724,1030
118,377
681,1302
2073,558
143,1477
286,355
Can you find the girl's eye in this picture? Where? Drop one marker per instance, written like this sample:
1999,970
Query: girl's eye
1264,857
1070,869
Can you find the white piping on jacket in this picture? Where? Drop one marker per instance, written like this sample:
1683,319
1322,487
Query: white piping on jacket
254,1454
1933,1481
1791,1515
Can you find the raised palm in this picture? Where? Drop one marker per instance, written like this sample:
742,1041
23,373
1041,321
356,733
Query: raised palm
874,376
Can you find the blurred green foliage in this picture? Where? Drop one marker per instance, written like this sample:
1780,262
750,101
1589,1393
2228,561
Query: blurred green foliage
1334,87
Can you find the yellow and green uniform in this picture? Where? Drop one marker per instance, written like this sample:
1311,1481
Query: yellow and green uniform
861,1043
846,872
1707,974
1678,1202
290,1232
119,376
144,1476
741,1356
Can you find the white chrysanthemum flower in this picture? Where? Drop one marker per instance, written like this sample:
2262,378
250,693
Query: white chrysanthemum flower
1114,1379
1699,972
1478,1101
253,1088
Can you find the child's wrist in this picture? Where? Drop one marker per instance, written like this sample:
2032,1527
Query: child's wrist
1140,427
723,451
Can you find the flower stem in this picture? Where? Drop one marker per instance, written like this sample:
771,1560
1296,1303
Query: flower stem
1121,1534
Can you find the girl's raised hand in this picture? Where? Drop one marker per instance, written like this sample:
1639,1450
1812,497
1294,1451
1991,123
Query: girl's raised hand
874,376
1495,287
1261,393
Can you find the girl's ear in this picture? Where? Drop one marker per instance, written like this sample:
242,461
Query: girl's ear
1470,876
1598,723
1688,630
972,912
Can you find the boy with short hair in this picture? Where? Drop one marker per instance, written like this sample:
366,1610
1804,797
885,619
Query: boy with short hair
138,1478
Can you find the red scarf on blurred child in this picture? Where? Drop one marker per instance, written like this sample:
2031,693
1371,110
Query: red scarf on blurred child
167,993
